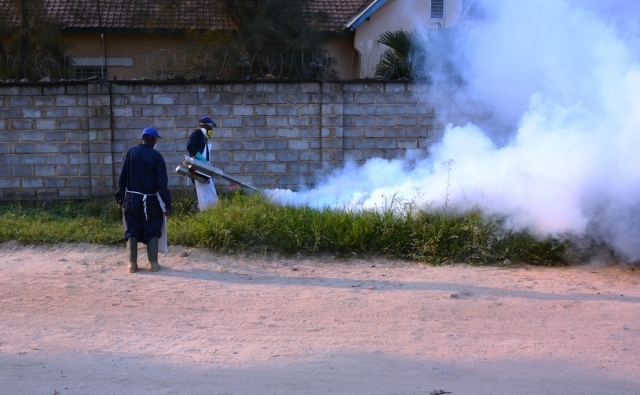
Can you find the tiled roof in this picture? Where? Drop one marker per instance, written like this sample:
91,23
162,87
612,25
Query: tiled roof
339,11
139,14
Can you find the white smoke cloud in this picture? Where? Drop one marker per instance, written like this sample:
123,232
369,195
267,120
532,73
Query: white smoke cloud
563,79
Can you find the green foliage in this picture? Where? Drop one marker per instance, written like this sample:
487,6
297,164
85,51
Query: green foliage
253,223
269,38
94,221
395,62
439,58
449,236
182,201
432,57
32,45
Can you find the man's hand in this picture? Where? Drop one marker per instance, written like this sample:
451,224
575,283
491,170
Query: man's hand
119,204
168,213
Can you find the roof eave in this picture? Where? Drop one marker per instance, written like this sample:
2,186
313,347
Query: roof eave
108,29
364,15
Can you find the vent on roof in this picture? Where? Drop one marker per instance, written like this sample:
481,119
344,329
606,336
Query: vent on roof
437,9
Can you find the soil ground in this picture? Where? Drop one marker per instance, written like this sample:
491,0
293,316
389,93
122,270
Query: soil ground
74,321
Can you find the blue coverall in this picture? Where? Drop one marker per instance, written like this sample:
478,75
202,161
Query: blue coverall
143,173
197,143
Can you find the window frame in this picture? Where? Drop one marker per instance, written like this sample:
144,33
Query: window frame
86,72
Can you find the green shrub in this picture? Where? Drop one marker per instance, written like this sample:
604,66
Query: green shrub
253,223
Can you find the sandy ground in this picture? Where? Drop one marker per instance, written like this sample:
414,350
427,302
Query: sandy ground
73,321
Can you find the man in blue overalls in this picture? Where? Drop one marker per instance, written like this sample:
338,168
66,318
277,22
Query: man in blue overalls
142,181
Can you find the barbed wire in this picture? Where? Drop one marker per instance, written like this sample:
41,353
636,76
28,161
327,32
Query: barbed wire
34,67
164,64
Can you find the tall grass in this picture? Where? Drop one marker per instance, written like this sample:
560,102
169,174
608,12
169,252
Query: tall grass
253,223
93,221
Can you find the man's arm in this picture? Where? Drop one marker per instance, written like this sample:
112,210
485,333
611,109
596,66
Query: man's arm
122,180
196,143
163,180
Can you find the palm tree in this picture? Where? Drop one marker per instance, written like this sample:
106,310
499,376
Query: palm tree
429,58
441,58
394,62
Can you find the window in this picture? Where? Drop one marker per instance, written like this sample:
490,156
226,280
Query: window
84,72
437,9
86,67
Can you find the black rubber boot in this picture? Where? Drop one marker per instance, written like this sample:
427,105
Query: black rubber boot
132,248
152,253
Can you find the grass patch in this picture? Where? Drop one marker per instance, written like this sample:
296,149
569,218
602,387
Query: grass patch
37,223
252,223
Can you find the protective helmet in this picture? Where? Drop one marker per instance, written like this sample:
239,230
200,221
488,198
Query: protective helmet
207,120
150,132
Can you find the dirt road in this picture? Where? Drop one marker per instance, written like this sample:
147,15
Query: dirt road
73,321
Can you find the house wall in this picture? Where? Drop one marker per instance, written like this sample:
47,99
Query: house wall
396,15
67,140
346,59
129,56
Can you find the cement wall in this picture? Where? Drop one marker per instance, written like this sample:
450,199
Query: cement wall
67,140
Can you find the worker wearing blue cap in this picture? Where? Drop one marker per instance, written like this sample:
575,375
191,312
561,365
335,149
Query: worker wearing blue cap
142,183
198,146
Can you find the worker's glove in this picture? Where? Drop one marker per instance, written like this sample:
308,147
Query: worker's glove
199,157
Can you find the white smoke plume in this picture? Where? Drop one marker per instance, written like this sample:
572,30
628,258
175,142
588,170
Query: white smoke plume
562,79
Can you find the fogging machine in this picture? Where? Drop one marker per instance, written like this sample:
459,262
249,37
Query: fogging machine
201,171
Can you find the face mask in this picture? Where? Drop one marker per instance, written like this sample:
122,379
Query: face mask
209,132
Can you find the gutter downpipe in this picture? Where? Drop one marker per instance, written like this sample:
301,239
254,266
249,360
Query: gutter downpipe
103,66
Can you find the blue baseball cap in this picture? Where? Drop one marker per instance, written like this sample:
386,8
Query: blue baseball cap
149,131
206,120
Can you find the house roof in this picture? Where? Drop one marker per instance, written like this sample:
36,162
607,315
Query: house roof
340,11
364,14
139,14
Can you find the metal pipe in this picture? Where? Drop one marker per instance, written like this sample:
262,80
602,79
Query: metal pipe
208,170
194,175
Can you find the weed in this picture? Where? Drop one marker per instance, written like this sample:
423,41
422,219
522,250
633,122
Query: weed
254,223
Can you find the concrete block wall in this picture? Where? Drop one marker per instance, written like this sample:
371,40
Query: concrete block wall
44,142
67,140
386,119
